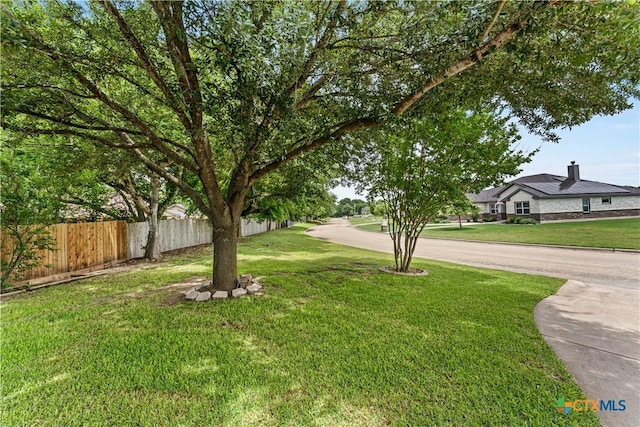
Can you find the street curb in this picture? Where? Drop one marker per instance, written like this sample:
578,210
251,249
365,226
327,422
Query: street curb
310,228
577,248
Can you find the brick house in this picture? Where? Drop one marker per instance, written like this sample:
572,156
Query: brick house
546,197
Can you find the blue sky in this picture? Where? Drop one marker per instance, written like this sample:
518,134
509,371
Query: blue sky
607,148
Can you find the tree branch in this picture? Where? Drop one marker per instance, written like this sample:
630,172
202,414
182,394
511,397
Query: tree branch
126,113
170,17
55,55
319,47
169,195
71,124
315,87
350,126
140,202
474,57
273,111
266,13
104,141
147,64
487,30
113,213
187,189
138,214
90,119
34,86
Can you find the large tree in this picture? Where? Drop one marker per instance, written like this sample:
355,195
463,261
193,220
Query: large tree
232,91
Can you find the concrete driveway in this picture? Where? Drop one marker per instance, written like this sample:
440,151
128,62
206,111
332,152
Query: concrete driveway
592,323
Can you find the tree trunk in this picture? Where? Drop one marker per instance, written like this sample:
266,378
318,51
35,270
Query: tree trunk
226,224
152,250
225,255
410,240
460,221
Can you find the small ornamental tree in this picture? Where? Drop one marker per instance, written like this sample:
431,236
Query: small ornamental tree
27,211
416,167
462,206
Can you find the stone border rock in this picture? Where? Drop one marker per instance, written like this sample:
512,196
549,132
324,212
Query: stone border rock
245,285
391,270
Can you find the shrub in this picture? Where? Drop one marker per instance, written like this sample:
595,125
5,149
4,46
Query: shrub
26,245
489,219
520,220
527,221
29,206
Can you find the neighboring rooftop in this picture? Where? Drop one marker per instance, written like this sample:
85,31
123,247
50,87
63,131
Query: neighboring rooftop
545,185
575,188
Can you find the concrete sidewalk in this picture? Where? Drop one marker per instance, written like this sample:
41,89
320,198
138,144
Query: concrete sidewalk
592,323
594,331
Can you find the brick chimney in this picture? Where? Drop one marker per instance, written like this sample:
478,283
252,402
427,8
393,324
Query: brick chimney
573,172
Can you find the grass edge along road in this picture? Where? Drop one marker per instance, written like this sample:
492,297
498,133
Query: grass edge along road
333,342
607,233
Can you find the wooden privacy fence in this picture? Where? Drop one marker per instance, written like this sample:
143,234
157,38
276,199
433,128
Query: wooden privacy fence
184,233
249,226
173,234
79,246
84,245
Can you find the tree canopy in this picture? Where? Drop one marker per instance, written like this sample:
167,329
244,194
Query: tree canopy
350,207
232,91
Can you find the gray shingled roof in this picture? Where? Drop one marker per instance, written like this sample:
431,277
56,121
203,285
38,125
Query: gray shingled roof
541,177
547,186
576,188
489,195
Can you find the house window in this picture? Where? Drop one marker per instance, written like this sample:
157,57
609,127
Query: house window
522,208
606,200
492,208
586,205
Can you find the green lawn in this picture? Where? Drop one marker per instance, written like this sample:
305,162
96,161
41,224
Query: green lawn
614,233
365,220
333,342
